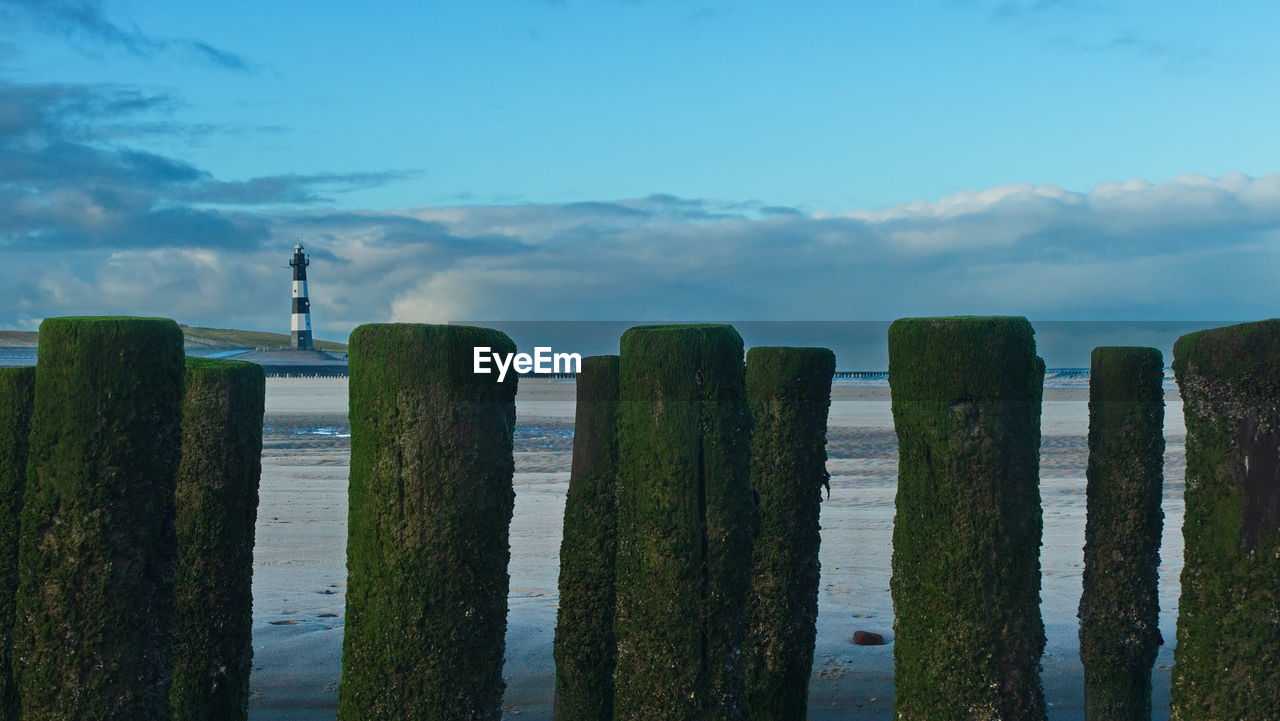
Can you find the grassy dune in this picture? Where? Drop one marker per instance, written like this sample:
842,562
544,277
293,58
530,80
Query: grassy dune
233,338
196,338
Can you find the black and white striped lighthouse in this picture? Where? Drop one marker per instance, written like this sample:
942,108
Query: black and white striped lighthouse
300,325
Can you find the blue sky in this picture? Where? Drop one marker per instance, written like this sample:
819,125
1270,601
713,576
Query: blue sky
836,105
470,159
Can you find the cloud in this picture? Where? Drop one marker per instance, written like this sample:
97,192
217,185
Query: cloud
1052,20
779,210
291,188
85,21
91,225
67,182
1193,247
1175,56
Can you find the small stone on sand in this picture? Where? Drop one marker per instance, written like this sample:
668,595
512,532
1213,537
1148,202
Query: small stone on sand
867,638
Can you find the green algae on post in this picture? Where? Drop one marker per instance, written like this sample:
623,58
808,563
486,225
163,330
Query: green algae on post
17,396
966,397
1120,606
1227,656
95,606
584,642
430,499
789,390
686,519
217,506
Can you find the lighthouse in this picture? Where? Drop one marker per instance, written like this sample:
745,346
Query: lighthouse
300,324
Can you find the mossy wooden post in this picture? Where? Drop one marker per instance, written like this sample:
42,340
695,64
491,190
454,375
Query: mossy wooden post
1227,659
966,397
17,395
789,390
431,499
217,505
686,519
1120,606
95,608
584,643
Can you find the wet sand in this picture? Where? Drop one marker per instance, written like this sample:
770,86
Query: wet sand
299,564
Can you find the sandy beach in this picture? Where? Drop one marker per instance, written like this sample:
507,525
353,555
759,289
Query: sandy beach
299,574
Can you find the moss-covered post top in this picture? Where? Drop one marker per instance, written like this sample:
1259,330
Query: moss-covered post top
599,366
103,324
918,372
700,343
678,328
600,363
448,356
80,339
1123,373
104,319
644,334
1246,355
790,371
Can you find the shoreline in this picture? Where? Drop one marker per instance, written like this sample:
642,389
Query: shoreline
299,565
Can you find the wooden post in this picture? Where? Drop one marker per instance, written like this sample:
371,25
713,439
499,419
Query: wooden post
431,499
585,647
686,520
1120,606
95,608
966,541
1228,651
217,506
790,393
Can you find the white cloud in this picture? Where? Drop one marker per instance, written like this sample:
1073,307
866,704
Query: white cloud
1193,247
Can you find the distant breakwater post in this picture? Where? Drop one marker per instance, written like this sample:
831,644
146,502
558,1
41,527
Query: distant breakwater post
1120,606
789,390
431,499
1227,659
17,398
95,604
217,505
585,647
966,395
686,519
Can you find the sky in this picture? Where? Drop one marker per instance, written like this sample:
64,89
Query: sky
632,159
